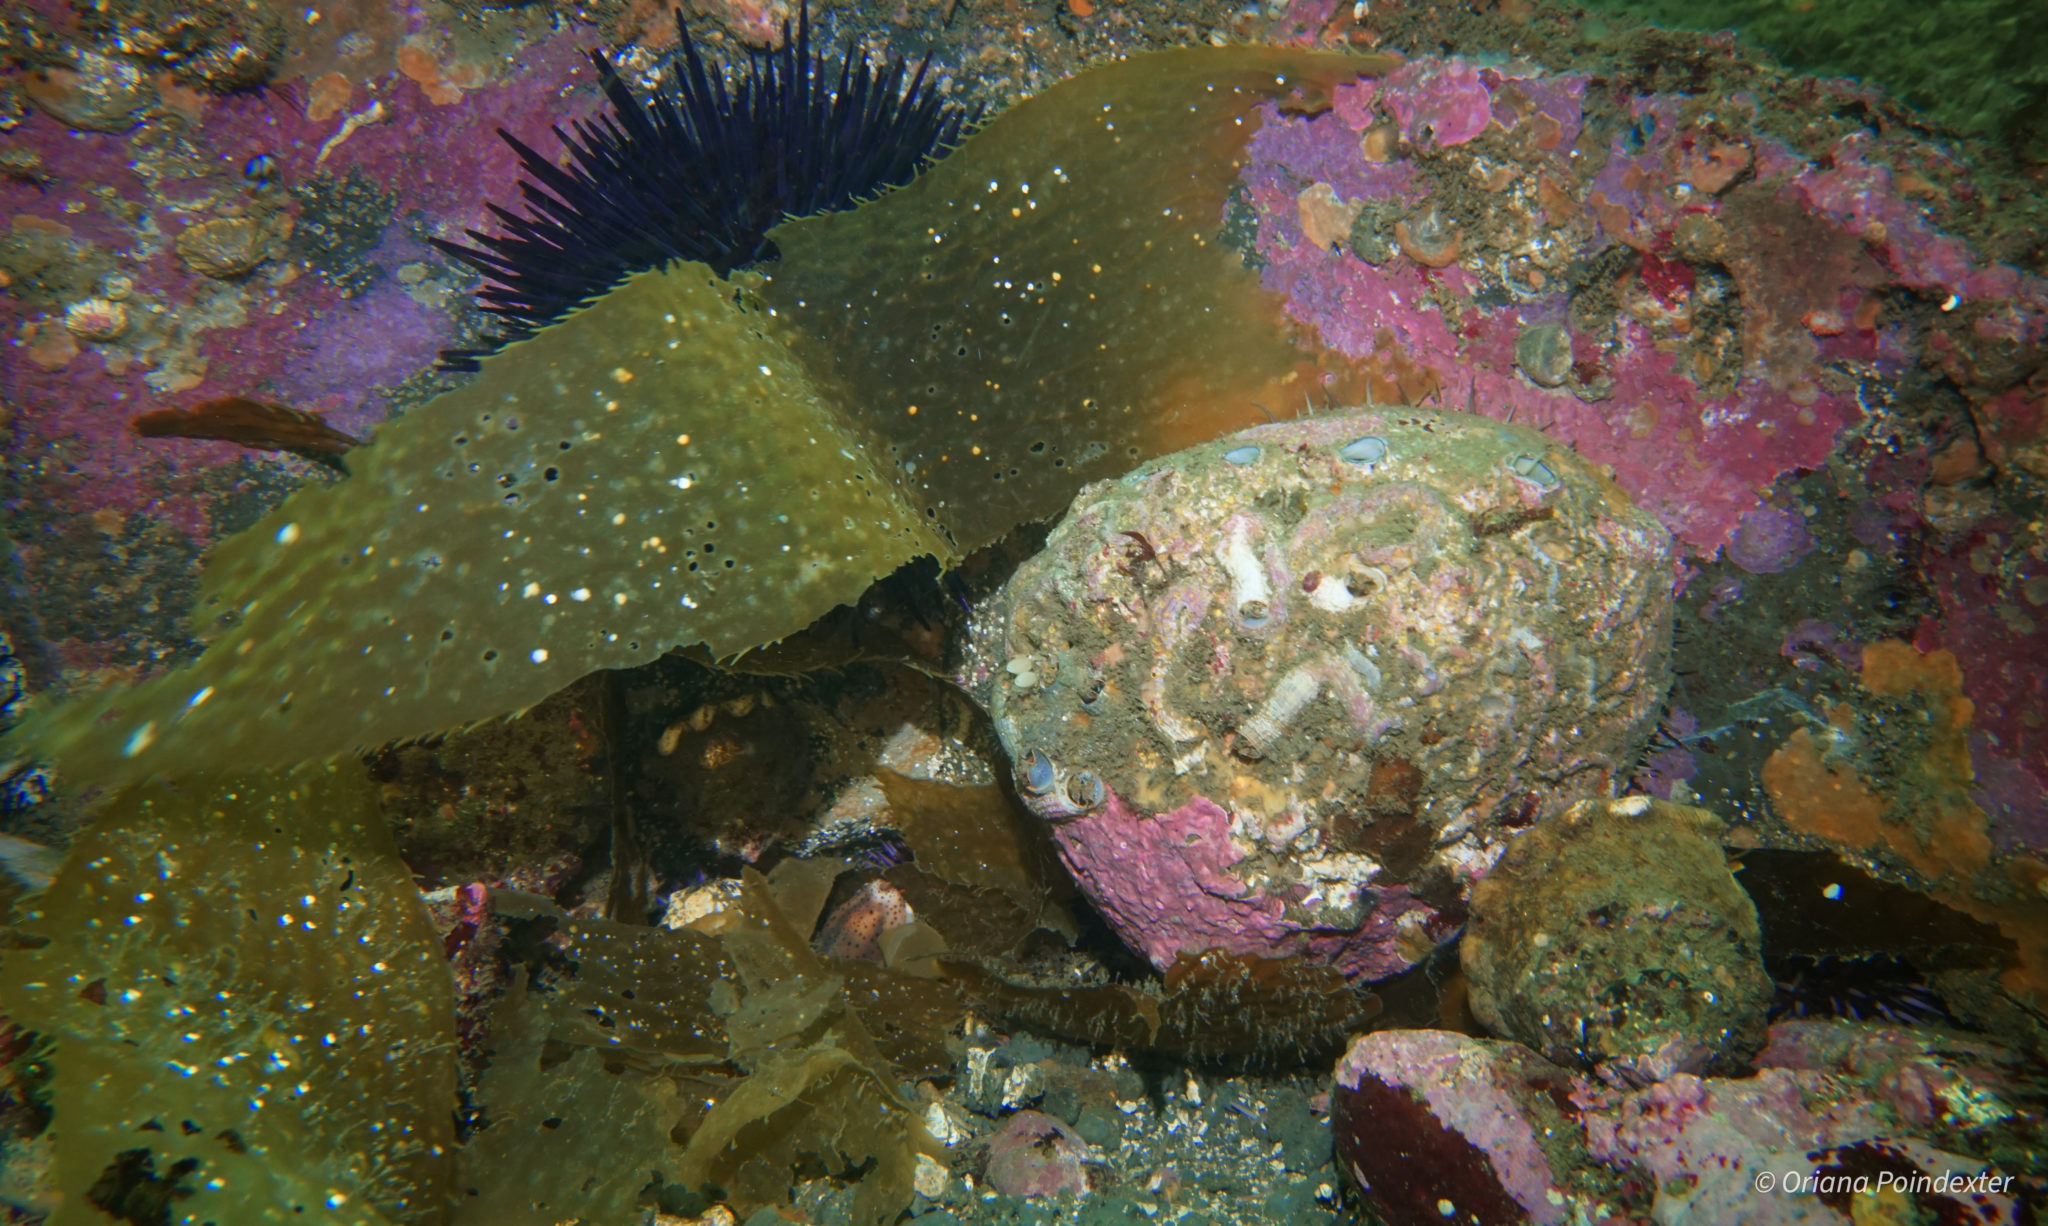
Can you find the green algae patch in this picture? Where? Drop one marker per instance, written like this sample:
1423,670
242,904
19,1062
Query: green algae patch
1978,66
690,461
252,1022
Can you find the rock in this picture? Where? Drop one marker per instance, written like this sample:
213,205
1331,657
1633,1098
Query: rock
216,45
1918,1074
1436,1127
1708,161
1036,1155
1304,1137
1290,692
1064,1102
1820,1147
1294,1202
995,1084
1614,938
932,1178
1098,1125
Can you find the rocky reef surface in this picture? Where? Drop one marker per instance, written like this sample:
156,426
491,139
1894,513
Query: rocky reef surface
1641,420
1614,940
1434,1126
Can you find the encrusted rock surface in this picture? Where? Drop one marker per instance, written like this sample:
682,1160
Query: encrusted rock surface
1432,1126
1291,691
1615,939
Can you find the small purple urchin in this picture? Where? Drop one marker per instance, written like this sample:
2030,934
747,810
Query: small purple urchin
1878,988
701,170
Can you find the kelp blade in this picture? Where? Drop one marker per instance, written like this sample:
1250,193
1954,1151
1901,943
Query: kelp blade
652,472
248,1005
1050,305
730,1065
668,467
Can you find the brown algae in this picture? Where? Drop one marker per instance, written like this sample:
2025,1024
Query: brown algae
677,464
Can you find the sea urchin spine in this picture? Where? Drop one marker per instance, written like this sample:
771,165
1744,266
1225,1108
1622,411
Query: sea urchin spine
701,170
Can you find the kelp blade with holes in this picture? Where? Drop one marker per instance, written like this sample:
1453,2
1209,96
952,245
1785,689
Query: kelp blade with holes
676,465
653,471
1051,306
248,1006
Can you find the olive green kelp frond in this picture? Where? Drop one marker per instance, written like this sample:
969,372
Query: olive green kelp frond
652,472
569,1137
684,462
1051,306
252,1021
722,1060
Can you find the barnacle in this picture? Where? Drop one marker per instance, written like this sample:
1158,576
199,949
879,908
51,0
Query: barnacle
1428,238
96,319
1544,353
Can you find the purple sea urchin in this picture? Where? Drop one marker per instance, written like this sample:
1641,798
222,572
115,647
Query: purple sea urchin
1880,987
701,170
